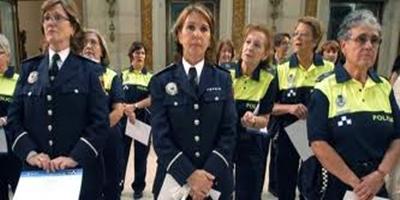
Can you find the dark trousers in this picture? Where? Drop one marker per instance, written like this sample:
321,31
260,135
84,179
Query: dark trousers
250,165
141,152
93,179
113,161
10,169
287,165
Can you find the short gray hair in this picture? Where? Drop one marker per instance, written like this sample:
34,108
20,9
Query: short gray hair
4,44
355,19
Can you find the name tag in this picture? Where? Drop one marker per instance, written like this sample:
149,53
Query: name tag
213,89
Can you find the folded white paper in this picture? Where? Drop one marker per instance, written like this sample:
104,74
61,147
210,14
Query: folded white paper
40,185
3,141
297,133
139,131
171,190
351,196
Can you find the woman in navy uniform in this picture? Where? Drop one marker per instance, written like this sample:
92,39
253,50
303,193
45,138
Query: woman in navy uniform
95,48
135,86
254,96
58,119
193,113
295,80
354,121
10,165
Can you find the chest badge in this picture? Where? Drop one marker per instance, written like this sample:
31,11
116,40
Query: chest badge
340,101
171,88
33,77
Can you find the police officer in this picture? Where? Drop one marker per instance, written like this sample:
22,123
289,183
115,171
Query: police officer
95,49
10,165
254,96
193,114
135,82
58,119
353,123
295,80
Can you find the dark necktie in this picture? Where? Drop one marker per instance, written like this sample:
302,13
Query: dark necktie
193,78
53,71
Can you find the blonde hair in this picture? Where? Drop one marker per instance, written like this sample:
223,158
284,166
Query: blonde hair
5,44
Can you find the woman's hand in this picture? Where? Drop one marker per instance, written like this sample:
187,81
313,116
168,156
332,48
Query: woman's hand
248,119
61,163
200,183
129,111
369,186
298,110
40,160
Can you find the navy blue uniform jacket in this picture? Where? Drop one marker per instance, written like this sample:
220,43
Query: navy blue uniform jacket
193,130
68,119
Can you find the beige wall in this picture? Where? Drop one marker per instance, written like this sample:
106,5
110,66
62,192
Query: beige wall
29,20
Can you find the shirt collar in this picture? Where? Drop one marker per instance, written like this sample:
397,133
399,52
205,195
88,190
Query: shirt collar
143,71
63,55
342,75
256,73
317,60
199,67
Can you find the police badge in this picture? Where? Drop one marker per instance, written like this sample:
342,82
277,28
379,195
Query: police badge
171,89
340,101
33,77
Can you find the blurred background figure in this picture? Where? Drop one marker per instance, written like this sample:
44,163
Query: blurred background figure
135,85
225,53
395,70
95,48
10,166
330,51
281,47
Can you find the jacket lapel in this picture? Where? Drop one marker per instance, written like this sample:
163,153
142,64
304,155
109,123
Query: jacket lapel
68,70
206,79
183,81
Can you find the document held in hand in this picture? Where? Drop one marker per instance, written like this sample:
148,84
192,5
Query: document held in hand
297,133
351,196
3,141
41,185
139,131
171,190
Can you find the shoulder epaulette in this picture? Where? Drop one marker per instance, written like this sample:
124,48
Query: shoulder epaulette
165,69
34,58
222,68
324,75
85,58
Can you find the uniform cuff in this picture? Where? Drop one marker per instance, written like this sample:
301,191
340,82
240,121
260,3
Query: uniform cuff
217,164
84,152
180,168
23,145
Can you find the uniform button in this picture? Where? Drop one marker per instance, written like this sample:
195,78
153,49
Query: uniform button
50,127
197,154
196,106
49,97
363,100
52,78
196,122
175,103
76,91
51,142
29,93
50,112
359,90
216,98
197,138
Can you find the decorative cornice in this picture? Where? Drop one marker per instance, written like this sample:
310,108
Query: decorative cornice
111,14
147,30
238,22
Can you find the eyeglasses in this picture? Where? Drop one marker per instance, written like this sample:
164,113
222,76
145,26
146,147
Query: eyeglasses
364,38
55,18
